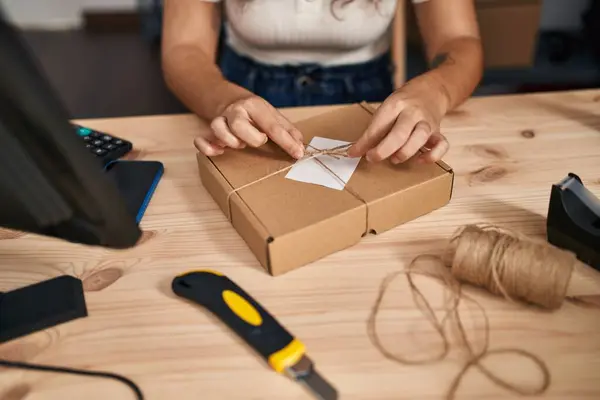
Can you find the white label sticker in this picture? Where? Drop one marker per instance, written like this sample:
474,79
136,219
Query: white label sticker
311,171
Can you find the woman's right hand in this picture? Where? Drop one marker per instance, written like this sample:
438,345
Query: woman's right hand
250,121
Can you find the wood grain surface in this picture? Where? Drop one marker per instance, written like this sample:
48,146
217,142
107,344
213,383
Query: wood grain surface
506,151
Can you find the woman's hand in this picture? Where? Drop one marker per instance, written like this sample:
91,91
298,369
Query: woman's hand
406,122
250,121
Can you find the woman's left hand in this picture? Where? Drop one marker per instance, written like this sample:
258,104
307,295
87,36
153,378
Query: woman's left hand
406,122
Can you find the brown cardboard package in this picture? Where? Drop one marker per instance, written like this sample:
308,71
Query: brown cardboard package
508,31
288,224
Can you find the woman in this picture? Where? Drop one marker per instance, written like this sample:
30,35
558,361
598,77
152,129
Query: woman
308,52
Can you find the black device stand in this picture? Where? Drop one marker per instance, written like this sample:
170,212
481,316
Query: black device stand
40,306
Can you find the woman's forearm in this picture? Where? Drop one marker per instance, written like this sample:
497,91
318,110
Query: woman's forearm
198,82
456,70
189,45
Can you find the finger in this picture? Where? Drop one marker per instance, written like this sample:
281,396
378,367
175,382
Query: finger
206,148
287,125
223,133
381,124
439,146
295,132
246,132
397,137
417,139
266,120
433,140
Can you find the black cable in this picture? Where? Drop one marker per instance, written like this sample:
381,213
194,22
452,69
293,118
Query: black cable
45,368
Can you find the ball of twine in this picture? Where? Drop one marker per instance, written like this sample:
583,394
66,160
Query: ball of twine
510,264
503,262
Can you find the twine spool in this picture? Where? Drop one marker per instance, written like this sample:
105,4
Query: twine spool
504,263
512,265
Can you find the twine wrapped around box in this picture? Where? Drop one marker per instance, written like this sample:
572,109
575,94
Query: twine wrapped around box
311,153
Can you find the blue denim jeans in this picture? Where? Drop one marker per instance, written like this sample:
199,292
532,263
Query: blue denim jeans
308,85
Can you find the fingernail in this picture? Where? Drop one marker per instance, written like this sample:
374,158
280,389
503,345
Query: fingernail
217,149
395,160
298,153
369,158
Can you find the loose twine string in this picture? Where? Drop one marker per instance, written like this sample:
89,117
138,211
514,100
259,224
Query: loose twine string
503,262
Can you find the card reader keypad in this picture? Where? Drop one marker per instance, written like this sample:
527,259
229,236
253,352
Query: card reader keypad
104,146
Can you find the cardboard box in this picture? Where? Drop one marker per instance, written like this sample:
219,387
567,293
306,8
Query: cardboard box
508,28
288,224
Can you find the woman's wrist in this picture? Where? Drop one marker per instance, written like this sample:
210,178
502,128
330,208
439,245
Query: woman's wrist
224,93
431,90
200,87
457,70
443,97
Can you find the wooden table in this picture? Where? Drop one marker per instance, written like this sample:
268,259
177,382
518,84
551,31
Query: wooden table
507,151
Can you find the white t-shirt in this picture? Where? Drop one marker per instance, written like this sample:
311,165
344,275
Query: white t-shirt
306,31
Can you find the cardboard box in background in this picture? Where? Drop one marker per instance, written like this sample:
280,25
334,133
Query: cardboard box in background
288,224
509,30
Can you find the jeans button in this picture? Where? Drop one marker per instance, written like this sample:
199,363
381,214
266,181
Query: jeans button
304,81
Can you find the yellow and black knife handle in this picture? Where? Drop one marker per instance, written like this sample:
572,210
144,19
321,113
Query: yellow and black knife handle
232,305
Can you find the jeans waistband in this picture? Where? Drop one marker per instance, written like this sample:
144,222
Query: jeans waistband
378,65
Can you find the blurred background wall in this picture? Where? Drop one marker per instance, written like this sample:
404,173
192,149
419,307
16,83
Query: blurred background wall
102,56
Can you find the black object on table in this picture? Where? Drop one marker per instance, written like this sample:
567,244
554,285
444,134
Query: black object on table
40,306
49,185
573,221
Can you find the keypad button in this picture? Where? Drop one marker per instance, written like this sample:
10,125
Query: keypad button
95,135
107,138
109,146
99,152
87,139
117,142
97,143
83,131
89,146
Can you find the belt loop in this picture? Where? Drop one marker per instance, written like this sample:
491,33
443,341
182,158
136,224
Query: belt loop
349,84
251,78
